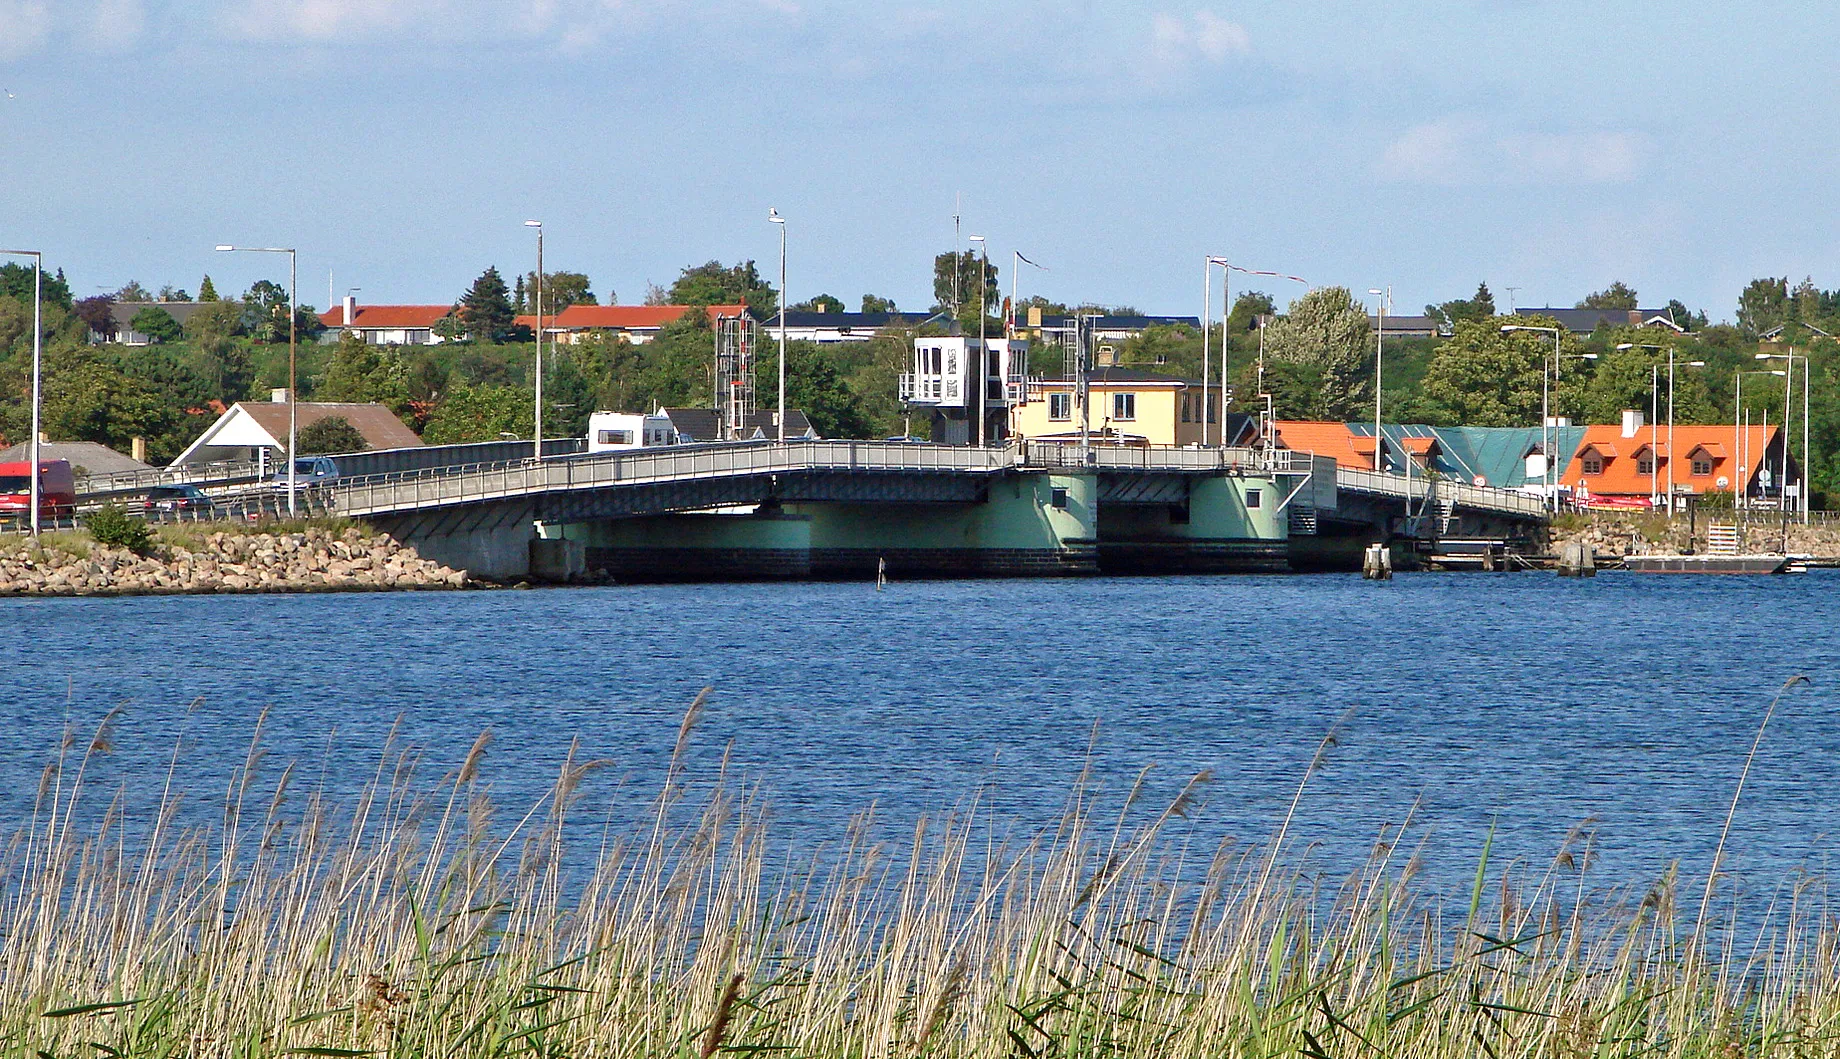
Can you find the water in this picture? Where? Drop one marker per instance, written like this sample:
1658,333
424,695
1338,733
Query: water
1521,702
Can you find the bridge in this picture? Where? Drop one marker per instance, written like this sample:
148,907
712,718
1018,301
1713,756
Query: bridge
1125,508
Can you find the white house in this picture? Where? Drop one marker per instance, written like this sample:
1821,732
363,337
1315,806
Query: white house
385,325
249,428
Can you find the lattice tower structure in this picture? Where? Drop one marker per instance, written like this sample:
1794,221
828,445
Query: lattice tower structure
737,346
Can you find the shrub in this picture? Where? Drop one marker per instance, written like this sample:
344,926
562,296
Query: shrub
115,528
331,434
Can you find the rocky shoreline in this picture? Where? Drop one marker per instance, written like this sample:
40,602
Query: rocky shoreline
310,560
1617,535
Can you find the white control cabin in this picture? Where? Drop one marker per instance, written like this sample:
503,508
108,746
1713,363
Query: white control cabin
619,431
946,380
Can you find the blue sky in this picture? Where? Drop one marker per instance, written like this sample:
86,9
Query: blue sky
1552,147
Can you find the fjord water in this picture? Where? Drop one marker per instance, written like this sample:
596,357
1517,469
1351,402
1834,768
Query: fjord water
1461,703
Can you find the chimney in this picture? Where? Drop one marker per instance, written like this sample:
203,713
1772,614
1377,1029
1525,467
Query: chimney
138,449
1632,422
351,309
278,395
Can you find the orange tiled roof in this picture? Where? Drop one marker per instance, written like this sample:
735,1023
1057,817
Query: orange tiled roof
621,317
392,316
1327,439
1622,476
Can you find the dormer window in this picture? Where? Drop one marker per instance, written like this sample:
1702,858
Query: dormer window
1593,463
1699,461
1593,458
1702,464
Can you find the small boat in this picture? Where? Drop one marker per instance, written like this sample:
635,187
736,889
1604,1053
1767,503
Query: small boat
1707,564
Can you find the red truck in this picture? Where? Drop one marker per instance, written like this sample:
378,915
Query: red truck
57,490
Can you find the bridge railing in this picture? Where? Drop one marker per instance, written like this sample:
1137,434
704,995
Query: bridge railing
1163,458
223,471
436,486
1460,493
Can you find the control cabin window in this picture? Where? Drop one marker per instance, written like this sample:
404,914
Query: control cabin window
1060,406
1254,498
616,437
1124,406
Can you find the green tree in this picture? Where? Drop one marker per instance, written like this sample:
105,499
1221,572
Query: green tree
1482,377
560,290
823,303
814,386
98,313
361,372
1763,305
873,303
1326,333
1684,317
156,323
480,413
955,275
133,292
1618,295
16,281
1450,313
207,291
1630,378
265,312
331,434
713,283
485,309
170,293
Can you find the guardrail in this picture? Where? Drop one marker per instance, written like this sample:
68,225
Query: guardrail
444,486
1165,458
225,471
1460,493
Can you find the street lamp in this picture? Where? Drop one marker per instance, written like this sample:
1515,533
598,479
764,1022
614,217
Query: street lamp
1739,482
774,218
1546,478
981,376
538,418
1788,394
38,347
293,302
1386,298
1653,483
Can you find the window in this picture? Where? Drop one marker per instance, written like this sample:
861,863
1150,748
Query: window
1645,464
1060,406
1253,499
1188,409
1593,464
1124,406
616,437
1702,464
1058,498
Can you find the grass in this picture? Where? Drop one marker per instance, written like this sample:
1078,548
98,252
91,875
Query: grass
420,921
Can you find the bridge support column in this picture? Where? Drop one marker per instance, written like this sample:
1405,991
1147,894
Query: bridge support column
1230,525
490,542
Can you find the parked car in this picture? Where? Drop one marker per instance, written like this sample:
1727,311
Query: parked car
57,490
309,471
177,499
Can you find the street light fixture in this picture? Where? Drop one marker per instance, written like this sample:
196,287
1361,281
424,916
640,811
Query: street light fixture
773,217
1739,483
980,375
1788,395
537,422
293,342
1547,479
38,347
1386,299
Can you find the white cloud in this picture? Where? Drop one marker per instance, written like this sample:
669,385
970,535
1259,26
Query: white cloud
1203,36
118,25
1457,151
572,26
24,25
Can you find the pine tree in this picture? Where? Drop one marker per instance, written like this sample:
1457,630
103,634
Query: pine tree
206,291
486,308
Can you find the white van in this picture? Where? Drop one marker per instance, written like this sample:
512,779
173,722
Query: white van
620,431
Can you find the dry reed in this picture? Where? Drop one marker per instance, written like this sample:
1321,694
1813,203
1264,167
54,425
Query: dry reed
404,924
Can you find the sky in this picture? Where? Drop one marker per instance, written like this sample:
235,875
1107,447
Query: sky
400,145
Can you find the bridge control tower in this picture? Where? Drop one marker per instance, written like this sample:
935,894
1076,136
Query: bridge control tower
968,384
737,343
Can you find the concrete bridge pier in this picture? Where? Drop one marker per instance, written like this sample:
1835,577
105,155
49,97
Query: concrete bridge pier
1210,524
491,541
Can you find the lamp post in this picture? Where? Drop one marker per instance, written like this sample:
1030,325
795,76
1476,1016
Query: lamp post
537,419
980,376
1788,403
774,218
38,348
293,431
1386,298
1547,480
1670,420
1740,481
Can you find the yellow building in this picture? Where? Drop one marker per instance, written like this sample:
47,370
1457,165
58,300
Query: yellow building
1126,406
